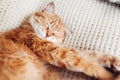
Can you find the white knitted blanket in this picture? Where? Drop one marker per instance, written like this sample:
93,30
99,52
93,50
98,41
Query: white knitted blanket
96,24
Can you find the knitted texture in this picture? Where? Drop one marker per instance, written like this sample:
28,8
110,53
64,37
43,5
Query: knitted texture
95,24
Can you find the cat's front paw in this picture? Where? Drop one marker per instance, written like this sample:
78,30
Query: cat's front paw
112,62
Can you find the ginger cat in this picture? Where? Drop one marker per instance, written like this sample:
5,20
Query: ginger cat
25,50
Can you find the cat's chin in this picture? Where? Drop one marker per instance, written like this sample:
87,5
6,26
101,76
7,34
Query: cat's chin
54,40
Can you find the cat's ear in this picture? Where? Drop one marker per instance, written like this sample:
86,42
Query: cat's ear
50,8
68,32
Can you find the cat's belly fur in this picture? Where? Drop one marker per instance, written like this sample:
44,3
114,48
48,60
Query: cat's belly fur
19,63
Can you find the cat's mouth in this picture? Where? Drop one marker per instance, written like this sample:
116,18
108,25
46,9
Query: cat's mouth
53,36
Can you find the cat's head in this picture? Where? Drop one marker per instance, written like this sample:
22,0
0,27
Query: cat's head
48,25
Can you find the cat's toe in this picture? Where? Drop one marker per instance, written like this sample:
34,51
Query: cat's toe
108,60
116,64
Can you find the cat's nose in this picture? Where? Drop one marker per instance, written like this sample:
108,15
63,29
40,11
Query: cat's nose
49,33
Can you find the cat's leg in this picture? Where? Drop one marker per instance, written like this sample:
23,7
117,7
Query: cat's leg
104,59
68,59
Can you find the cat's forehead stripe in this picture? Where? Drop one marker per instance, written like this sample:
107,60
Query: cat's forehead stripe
39,15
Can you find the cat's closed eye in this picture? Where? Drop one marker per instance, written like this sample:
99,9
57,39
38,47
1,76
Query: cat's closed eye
53,22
